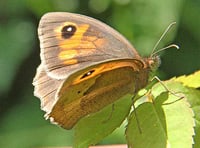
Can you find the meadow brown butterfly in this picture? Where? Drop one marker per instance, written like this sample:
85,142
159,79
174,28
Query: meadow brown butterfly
85,66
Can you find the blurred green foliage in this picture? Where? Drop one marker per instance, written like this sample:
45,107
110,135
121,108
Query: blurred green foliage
142,22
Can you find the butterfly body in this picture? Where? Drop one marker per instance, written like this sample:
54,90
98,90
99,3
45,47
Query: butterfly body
85,66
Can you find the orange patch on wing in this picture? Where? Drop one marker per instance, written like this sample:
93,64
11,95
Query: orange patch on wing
67,54
75,40
107,66
86,45
71,61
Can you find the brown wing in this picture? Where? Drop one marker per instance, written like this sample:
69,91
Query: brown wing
70,42
89,90
46,89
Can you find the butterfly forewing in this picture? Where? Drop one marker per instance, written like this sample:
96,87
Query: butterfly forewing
46,89
89,42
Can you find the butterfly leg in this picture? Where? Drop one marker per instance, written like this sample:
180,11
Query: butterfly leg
168,90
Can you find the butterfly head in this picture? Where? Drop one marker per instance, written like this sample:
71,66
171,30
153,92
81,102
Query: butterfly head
153,62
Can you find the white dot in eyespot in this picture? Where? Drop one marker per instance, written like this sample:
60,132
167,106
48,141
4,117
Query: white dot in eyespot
69,29
89,73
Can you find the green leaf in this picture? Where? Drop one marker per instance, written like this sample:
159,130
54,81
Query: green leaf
93,128
192,80
167,122
152,133
193,96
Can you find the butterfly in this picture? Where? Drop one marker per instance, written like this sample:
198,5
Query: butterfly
85,66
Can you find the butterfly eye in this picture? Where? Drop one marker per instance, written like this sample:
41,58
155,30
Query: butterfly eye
87,74
68,31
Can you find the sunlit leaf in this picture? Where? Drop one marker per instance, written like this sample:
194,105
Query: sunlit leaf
167,122
192,80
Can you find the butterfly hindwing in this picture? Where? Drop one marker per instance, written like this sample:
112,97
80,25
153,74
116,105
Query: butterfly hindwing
80,96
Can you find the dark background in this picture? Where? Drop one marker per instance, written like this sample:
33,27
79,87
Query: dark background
142,22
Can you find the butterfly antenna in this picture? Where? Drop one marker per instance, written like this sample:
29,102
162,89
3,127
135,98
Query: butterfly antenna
170,46
157,43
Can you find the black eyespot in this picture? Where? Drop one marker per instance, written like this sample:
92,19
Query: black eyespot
68,31
87,74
